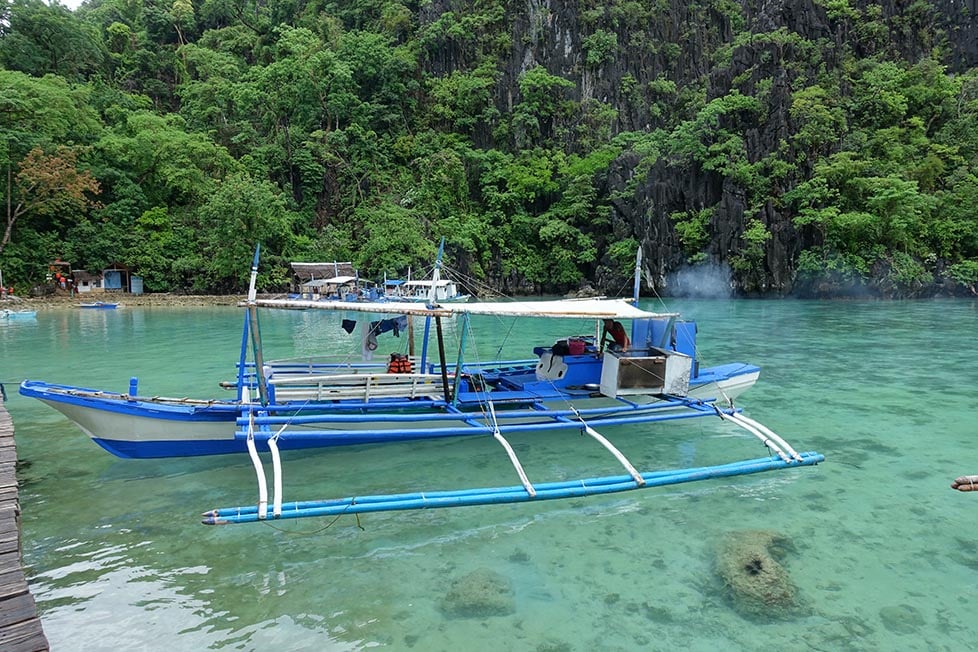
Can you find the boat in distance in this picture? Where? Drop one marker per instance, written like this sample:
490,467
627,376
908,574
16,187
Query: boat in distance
99,305
7,313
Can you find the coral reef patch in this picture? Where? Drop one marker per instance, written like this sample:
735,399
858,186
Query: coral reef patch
748,562
479,594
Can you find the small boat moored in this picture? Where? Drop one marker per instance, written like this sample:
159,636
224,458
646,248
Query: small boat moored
99,305
6,313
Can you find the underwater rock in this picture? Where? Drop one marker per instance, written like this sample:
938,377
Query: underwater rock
747,562
902,619
479,594
554,646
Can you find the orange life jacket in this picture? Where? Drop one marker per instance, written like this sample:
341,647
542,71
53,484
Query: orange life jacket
399,364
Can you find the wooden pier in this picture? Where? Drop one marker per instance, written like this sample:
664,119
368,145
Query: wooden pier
20,628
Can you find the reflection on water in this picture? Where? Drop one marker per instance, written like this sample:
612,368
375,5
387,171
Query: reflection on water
878,553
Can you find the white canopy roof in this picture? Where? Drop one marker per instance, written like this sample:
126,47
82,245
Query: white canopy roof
562,308
440,283
326,282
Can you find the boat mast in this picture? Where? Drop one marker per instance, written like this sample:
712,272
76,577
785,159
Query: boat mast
638,276
436,275
432,304
255,334
464,318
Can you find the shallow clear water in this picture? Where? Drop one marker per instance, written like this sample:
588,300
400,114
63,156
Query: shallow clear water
879,552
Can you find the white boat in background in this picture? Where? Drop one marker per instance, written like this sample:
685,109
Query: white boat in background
441,291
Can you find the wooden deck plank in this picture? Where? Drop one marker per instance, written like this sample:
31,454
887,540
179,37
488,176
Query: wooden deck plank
20,628
24,636
18,609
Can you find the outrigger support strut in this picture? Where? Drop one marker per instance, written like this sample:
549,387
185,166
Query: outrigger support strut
597,436
260,470
498,436
767,436
784,457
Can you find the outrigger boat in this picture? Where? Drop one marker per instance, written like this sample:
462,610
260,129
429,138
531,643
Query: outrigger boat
576,384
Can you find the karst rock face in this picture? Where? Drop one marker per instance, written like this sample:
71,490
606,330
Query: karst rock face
703,49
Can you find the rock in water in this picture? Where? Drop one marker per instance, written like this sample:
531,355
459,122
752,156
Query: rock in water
748,563
479,594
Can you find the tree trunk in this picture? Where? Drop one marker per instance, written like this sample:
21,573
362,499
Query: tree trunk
10,214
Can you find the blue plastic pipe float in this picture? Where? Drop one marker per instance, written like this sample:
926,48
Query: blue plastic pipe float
503,495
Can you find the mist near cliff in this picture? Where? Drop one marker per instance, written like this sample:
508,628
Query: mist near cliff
701,282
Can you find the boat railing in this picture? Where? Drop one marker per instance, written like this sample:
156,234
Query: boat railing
362,386
320,365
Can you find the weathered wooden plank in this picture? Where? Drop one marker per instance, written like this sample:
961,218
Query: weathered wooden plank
25,636
8,516
20,628
17,609
10,562
12,583
9,545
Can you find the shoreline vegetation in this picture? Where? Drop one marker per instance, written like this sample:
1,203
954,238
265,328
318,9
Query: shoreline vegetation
828,150
124,300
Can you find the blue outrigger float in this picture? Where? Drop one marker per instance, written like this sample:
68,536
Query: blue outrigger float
577,384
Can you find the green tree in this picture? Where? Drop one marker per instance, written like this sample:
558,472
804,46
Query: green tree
47,186
37,38
241,212
543,108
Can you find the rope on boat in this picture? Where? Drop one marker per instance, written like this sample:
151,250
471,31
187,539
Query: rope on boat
597,436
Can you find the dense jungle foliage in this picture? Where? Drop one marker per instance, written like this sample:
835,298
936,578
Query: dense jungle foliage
807,151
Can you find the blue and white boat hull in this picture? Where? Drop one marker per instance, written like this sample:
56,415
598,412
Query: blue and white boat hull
169,427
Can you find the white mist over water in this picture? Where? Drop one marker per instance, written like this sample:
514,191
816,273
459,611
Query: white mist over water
701,282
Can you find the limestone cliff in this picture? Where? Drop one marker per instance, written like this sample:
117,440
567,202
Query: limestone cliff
657,64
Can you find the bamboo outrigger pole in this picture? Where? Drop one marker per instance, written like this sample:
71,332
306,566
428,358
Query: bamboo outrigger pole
503,495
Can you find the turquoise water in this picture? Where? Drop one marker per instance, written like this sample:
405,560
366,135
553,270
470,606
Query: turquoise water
879,552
